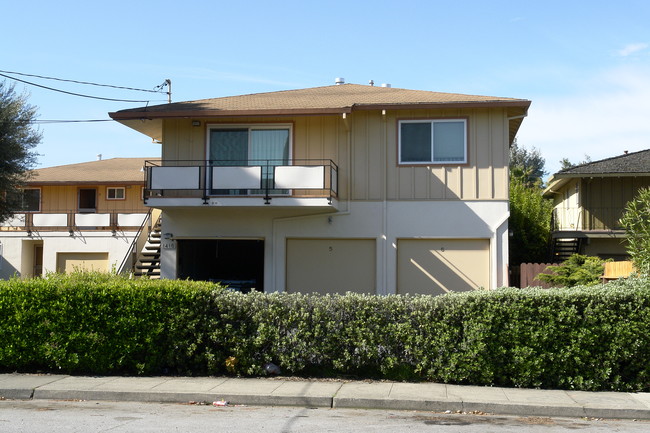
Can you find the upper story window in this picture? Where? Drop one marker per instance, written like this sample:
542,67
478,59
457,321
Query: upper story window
30,200
115,193
433,141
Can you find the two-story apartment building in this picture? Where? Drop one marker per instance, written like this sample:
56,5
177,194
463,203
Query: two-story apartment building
76,216
333,189
589,200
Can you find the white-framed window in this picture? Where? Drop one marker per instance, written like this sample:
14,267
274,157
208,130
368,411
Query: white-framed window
433,141
115,193
30,200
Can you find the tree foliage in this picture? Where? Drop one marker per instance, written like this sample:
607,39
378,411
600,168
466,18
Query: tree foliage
530,223
17,141
636,220
565,164
527,165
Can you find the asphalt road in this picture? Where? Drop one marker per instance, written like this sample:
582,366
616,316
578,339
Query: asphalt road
116,417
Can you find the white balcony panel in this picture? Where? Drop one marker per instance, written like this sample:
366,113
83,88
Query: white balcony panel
50,219
92,219
299,177
130,219
17,220
237,177
175,177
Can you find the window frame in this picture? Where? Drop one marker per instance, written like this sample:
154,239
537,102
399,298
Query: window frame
116,188
22,200
432,121
250,127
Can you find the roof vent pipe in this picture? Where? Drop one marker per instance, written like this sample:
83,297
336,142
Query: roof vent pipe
386,85
339,81
99,157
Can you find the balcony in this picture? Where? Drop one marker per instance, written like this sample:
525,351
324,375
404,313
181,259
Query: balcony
70,221
587,219
272,183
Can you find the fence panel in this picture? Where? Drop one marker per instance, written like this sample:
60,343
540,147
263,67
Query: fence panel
530,270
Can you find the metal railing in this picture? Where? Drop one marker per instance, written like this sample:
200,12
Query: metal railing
241,178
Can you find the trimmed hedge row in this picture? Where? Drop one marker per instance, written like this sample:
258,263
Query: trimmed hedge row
595,338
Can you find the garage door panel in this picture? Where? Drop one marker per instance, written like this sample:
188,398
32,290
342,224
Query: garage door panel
70,262
428,266
331,265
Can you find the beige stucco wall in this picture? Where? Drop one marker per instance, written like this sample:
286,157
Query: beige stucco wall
18,249
386,223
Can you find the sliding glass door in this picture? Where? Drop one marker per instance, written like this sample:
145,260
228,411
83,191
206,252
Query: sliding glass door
262,146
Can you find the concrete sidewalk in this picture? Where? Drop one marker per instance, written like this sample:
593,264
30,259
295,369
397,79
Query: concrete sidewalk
329,394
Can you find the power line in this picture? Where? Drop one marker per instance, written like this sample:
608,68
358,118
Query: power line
72,93
88,83
43,122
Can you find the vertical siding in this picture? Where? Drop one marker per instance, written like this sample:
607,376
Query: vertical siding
605,198
373,153
64,198
484,177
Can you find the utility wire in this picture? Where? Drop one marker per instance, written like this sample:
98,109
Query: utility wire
87,82
72,93
71,121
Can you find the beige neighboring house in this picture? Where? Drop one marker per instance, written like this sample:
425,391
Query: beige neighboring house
76,216
589,201
332,189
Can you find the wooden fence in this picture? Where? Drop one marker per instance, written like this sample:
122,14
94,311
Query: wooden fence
528,272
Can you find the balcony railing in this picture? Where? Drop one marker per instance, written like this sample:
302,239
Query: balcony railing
266,179
72,221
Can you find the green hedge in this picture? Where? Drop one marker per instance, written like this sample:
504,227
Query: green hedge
587,338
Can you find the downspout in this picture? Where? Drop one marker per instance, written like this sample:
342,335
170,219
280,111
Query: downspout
385,205
348,190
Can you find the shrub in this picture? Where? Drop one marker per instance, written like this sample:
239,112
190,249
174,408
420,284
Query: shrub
586,338
577,270
636,220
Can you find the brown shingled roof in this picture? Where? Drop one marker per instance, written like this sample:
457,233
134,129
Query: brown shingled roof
106,171
316,100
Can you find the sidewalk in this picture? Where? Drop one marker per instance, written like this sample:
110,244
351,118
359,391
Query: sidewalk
329,394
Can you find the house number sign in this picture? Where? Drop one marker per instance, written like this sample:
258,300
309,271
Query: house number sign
169,244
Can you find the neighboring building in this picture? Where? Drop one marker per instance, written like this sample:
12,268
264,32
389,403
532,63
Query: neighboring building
334,189
77,216
589,200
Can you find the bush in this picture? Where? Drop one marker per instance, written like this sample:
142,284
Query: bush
586,338
636,220
577,270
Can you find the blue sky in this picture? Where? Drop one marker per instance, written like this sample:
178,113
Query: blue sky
585,65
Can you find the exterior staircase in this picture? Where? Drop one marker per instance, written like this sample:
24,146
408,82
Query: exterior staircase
563,248
148,262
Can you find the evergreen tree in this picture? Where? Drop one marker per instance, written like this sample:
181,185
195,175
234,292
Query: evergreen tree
17,141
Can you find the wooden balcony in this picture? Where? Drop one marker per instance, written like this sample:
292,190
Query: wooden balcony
70,221
273,183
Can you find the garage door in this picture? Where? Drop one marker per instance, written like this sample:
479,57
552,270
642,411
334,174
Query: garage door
331,265
70,262
428,266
